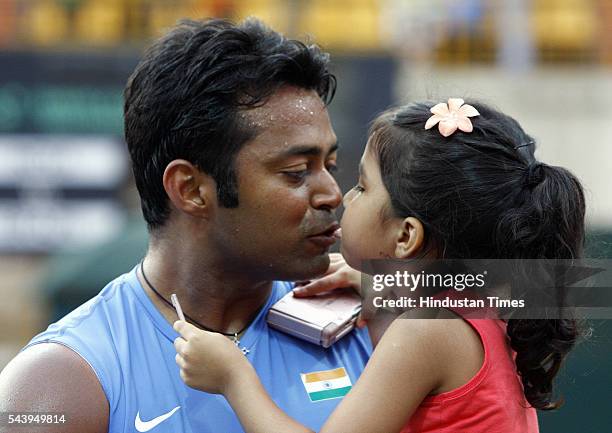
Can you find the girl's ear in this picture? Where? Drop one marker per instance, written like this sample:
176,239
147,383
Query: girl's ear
409,238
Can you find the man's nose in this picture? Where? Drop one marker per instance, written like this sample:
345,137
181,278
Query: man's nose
327,193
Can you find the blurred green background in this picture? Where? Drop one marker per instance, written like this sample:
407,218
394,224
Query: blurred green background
69,214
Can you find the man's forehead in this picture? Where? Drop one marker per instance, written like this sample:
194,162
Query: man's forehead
287,106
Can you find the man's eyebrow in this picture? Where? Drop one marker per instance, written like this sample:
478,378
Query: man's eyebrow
306,150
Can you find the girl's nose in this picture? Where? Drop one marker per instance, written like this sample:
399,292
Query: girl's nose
349,196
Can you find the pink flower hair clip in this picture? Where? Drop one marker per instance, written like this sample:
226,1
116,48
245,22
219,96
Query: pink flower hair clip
452,116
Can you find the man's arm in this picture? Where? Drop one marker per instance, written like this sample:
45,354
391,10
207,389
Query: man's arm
49,377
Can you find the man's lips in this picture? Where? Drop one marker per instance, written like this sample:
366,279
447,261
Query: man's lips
329,231
327,237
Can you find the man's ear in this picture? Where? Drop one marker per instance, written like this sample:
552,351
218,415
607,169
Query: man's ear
189,189
410,238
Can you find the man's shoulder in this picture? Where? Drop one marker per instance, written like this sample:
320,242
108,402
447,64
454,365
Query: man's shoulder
90,332
36,380
94,320
103,307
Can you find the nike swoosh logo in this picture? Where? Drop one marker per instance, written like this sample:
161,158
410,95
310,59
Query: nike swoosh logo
144,426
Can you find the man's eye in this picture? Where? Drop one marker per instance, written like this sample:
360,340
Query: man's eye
332,168
296,175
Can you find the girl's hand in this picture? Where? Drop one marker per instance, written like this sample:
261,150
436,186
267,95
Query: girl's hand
339,275
209,361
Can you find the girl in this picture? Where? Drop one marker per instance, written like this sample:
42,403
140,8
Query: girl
463,183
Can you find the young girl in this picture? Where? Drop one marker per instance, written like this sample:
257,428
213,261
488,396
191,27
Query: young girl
461,183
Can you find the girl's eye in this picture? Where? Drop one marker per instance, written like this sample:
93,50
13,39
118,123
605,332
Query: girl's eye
352,195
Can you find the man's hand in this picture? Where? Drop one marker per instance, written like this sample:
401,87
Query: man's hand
209,361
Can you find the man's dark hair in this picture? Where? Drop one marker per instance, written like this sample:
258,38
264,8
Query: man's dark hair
183,100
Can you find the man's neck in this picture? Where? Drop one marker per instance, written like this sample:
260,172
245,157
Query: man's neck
222,301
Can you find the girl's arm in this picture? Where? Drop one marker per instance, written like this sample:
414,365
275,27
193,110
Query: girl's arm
212,363
406,365
254,407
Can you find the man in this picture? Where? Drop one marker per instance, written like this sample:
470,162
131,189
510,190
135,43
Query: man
232,152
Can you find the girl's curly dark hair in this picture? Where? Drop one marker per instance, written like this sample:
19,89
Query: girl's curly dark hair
483,195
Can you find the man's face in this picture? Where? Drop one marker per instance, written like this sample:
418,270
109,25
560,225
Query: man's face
283,225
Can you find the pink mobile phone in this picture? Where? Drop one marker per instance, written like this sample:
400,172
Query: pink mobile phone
322,319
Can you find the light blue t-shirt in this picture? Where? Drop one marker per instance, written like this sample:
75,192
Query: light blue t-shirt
129,345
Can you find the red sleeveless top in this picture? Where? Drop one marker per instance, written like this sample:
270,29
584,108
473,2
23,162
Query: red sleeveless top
491,402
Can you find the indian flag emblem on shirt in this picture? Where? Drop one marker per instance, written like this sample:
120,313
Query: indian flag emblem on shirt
327,384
